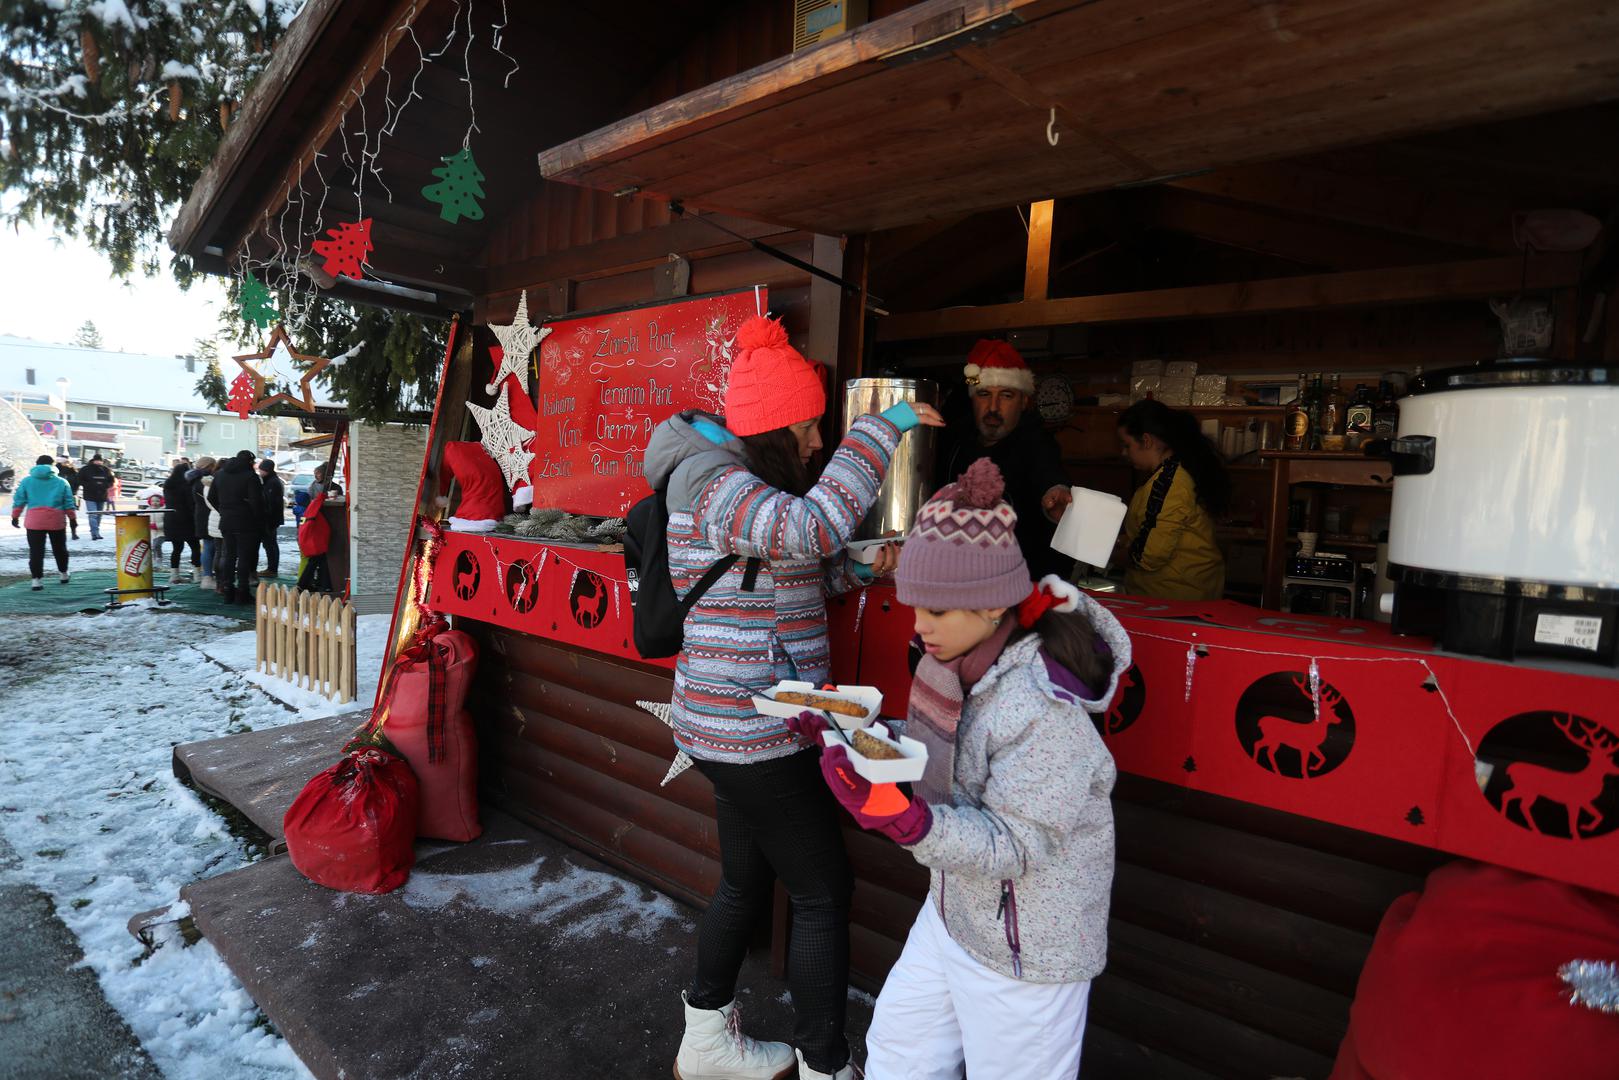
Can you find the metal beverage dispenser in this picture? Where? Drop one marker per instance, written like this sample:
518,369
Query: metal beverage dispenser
910,474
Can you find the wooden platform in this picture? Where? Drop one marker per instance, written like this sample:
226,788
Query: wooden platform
261,772
509,957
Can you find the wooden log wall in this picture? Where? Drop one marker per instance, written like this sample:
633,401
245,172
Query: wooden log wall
1236,934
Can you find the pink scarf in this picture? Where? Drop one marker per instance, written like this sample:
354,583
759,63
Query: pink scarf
938,691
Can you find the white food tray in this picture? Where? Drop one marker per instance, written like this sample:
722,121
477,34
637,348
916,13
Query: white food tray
867,697
865,551
908,769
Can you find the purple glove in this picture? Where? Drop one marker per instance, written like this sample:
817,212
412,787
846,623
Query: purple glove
808,726
879,807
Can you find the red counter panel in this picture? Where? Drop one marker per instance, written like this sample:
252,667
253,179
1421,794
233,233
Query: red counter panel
1406,742
578,596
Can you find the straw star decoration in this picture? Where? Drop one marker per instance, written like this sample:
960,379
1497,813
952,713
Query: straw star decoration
277,360
504,438
518,339
663,711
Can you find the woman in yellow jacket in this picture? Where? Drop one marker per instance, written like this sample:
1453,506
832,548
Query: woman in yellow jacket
1168,541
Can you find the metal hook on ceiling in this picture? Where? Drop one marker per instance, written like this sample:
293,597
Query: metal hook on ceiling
1051,127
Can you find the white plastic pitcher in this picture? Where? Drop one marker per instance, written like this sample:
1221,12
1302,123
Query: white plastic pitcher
1089,526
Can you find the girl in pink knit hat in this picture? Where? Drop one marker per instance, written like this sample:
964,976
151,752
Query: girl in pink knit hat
741,486
1012,816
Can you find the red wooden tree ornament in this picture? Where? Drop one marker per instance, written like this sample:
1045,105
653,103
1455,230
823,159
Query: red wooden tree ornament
347,249
243,393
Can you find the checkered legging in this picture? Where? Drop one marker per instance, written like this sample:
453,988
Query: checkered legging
778,820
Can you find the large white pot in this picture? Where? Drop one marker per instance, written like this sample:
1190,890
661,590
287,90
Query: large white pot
1523,486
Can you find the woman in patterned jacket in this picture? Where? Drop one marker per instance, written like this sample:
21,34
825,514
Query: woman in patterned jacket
741,485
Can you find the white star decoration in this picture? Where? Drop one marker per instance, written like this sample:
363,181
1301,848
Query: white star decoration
503,438
518,339
682,761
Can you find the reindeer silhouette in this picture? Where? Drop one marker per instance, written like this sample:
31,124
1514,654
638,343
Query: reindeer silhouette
589,600
1115,720
524,589
1276,732
466,581
1576,792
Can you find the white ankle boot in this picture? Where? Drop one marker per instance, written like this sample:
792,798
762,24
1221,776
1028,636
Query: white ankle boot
714,1048
806,1073
208,582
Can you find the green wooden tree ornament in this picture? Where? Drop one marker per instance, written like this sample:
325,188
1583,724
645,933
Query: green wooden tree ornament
255,302
459,189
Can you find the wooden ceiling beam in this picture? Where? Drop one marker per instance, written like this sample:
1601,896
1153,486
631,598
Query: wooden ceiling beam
1037,262
1359,288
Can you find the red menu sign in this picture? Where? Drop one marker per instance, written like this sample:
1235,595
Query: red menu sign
607,380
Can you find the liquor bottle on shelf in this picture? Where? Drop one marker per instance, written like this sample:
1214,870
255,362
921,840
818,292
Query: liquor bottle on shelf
1358,417
1298,420
1385,414
1332,409
1314,407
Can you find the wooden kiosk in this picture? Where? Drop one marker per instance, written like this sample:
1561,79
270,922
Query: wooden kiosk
1262,189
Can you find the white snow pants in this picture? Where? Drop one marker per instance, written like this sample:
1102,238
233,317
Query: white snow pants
941,1010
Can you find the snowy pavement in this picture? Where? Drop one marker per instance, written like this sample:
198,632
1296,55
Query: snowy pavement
82,554
89,802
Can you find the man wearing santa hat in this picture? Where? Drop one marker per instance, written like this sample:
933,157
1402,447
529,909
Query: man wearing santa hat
1003,429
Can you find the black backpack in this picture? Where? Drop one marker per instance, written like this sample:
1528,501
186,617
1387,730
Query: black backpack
657,615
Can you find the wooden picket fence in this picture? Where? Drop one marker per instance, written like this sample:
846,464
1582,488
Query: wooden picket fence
307,639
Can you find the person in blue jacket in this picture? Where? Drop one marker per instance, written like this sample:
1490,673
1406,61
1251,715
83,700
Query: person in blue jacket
48,503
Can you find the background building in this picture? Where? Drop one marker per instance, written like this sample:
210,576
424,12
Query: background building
146,407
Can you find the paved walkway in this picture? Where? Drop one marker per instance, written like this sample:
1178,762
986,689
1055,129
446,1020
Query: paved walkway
54,1023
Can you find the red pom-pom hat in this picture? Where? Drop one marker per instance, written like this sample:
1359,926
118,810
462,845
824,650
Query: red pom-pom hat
995,363
771,384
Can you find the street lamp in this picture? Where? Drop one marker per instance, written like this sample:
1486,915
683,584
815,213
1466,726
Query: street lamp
61,391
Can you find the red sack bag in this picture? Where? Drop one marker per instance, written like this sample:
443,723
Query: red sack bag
1462,981
426,724
353,827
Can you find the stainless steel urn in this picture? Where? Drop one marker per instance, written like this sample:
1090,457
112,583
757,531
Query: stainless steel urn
910,474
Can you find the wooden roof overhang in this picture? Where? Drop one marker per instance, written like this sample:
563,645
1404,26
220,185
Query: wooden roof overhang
351,66
942,108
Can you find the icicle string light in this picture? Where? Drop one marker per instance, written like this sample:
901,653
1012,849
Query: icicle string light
284,236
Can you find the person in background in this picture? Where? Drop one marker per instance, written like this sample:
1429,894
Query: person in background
1168,543
314,540
1012,817
201,477
98,483
275,513
239,497
742,486
65,469
180,521
1004,429
47,501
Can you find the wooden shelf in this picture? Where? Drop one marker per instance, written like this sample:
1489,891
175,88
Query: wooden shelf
1319,455
1200,410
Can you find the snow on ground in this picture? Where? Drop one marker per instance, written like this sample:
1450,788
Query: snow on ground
89,800
82,554
578,903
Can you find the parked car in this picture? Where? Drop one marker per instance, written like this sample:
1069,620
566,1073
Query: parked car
299,481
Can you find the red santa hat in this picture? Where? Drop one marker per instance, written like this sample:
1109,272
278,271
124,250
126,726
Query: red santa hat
995,363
